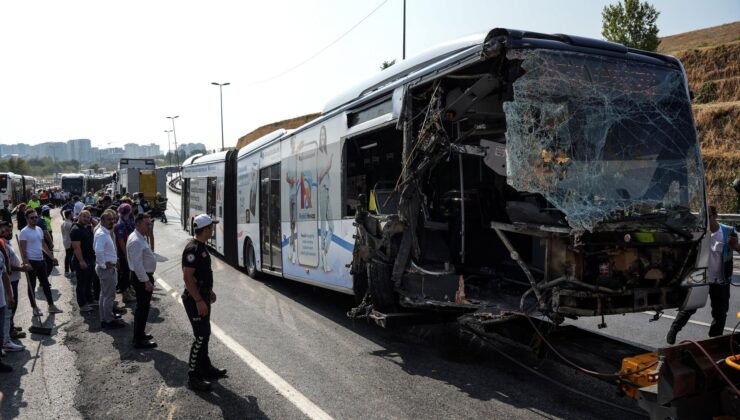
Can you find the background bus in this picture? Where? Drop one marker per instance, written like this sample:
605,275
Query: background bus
75,184
16,188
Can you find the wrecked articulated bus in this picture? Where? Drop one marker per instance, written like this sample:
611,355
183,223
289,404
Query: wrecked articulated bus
546,174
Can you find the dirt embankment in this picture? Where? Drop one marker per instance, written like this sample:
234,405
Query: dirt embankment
714,78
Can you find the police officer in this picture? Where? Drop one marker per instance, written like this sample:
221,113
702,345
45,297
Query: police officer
197,299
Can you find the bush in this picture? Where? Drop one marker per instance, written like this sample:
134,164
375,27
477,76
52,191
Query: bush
707,93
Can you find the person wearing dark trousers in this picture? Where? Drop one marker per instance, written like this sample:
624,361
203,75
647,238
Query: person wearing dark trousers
83,263
122,230
16,267
67,242
33,249
722,242
197,300
142,263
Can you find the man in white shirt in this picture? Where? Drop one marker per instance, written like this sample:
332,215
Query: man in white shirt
722,241
142,263
106,259
13,268
78,206
6,298
33,249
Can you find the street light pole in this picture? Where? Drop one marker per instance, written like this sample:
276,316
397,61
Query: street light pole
169,149
174,134
221,98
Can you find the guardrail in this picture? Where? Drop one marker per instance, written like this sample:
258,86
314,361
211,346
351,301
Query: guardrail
173,185
729,218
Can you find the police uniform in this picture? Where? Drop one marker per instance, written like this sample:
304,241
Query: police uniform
196,256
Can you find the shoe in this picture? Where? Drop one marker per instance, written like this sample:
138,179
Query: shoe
54,310
128,297
11,346
68,275
19,329
145,344
5,368
670,338
86,308
215,373
119,310
116,316
148,337
112,325
196,383
17,334
37,311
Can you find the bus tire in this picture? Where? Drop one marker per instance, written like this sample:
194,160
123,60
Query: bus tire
380,284
250,262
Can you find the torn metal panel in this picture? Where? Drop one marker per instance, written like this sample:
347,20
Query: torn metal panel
603,138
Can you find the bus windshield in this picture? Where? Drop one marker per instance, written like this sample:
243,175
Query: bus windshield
72,185
604,139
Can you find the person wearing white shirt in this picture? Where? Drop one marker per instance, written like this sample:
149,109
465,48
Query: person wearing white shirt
142,263
106,259
14,268
33,249
79,205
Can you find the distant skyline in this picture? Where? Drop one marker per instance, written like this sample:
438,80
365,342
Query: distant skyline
113,72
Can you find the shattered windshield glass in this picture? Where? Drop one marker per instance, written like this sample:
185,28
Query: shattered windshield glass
604,139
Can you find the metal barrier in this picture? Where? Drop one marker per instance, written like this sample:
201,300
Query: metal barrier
729,218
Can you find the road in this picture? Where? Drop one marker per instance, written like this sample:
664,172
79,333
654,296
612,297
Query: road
292,353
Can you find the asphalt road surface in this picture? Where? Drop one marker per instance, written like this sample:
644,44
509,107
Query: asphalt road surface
292,353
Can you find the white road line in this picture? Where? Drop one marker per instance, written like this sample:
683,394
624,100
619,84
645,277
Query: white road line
284,388
704,324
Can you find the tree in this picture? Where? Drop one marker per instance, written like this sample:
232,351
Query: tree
631,24
19,166
387,64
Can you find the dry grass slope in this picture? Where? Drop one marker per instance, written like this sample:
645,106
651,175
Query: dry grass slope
706,37
269,128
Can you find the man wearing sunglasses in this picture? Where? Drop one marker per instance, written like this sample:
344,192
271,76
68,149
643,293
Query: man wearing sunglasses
33,249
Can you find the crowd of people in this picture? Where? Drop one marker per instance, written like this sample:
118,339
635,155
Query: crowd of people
108,248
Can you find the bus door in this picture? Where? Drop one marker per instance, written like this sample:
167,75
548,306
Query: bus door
211,207
269,218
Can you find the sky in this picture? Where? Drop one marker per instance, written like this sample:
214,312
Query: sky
113,71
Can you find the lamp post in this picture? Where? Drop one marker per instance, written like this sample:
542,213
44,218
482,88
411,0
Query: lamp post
174,134
169,149
221,98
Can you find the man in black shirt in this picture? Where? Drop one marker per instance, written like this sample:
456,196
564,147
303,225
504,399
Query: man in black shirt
197,299
83,263
5,215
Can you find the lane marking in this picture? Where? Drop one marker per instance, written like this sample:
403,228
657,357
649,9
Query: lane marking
299,400
703,324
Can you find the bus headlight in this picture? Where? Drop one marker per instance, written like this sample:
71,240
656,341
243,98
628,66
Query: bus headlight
695,278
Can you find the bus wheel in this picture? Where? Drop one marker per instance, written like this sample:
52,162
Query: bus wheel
250,262
384,298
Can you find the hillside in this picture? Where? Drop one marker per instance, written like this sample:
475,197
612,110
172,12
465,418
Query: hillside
712,60
707,37
269,128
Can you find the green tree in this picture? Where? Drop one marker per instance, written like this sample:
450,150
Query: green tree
19,166
631,24
385,64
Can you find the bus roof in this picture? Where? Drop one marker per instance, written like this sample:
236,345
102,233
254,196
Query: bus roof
206,159
404,68
73,175
262,141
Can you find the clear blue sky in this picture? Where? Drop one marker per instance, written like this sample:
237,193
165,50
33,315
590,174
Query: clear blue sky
112,71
